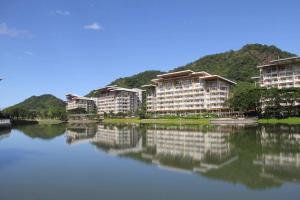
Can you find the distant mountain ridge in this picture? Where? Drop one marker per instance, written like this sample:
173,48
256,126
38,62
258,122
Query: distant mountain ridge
239,65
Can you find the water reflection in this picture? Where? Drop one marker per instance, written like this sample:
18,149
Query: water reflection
258,157
80,132
188,148
280,157
118,140
43,131
4,133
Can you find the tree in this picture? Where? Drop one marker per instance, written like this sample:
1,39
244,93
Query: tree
245,98
280,102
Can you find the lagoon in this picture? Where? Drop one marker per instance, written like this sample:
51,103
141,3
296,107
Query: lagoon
150,161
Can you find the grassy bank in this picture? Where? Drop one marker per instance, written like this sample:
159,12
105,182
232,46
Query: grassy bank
158,121
291,120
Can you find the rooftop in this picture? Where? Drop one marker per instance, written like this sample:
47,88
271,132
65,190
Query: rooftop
175,74
115,88
284,61
187,73
75,96
148,86
213,77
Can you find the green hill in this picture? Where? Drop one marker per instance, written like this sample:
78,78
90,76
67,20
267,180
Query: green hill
237,65
44,106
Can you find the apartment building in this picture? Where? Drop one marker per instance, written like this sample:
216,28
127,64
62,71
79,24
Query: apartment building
281,73
75,102
188,92
118,100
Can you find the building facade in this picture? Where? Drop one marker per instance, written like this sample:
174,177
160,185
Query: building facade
281,73
188,92
78,102
118,100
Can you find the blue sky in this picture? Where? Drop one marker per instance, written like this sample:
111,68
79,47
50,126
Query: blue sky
75,46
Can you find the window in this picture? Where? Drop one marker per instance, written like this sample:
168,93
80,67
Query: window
187,83
178,84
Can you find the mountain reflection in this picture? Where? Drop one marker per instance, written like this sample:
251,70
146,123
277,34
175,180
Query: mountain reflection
43,131
259,157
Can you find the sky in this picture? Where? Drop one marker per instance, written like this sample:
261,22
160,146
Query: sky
61,47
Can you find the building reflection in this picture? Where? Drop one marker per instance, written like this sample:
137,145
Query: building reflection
201,151
280,157
259,157
118,140
80,132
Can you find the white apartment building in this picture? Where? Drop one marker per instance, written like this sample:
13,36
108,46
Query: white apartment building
281,73
75,102
188,92
118,100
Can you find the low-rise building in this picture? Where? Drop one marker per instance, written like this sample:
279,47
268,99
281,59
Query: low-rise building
78,102
188,92
118,100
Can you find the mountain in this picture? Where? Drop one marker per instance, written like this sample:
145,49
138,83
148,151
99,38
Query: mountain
45,106
237,65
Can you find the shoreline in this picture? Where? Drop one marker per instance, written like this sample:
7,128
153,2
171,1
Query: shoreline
158,121
202,121
208,121
290,120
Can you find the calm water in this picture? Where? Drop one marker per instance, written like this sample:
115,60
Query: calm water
78,161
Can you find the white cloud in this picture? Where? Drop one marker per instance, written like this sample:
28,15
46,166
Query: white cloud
28,53
63,12
12,32
93,26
